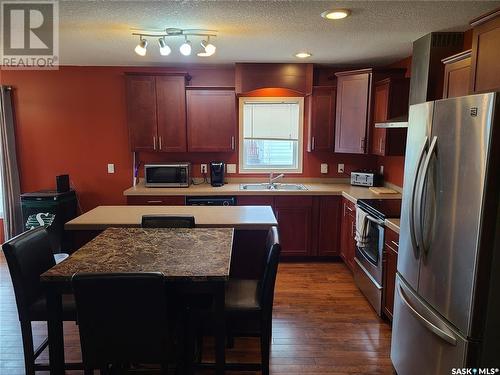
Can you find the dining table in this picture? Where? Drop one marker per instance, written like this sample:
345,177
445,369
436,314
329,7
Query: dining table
198,258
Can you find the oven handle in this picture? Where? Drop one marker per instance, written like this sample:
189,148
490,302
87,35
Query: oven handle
374,220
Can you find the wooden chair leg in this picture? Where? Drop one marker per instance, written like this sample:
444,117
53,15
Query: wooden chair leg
29,353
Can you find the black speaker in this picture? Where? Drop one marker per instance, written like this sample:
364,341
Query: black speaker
62,183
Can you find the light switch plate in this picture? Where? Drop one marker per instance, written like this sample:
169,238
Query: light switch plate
111,168
231,168
324,168
340,168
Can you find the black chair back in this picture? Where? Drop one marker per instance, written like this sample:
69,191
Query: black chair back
268,280
122,318
167,221
28,256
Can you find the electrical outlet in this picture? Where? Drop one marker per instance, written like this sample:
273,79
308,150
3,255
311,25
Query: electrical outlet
231,168
324,168
340,168
204,169
382,170
111,168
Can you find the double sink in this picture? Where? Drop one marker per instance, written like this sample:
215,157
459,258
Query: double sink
272,186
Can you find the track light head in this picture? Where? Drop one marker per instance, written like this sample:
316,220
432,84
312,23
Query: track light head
185,48
208,47
140,49
164,48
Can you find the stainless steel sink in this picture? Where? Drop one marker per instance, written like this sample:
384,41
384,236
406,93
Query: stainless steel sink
275,186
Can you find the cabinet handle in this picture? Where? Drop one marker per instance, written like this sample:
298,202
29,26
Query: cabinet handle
158,201
154,142
159,141
349,208
352,229
395,244
313,143
362,143
232,143
380,144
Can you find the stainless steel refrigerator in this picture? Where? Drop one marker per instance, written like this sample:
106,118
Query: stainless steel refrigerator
447,297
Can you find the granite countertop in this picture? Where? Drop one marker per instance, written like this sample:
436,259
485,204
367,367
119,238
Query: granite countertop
393,224
240,217
180,254
353,193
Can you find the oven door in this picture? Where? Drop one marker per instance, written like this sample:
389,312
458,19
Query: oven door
371,256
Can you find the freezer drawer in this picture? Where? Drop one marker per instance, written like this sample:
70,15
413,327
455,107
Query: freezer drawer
368,286
422,343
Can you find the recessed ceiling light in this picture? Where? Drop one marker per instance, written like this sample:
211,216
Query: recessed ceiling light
303,55
336,14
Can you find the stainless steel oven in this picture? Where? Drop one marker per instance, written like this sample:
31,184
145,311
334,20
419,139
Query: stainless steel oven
369,259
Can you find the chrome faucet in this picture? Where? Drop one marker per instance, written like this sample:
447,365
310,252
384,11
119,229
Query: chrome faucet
272,179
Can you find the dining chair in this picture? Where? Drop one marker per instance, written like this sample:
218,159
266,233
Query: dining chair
29,255
167,221
249,307
123,319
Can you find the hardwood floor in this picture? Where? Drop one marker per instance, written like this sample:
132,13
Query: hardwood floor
321,325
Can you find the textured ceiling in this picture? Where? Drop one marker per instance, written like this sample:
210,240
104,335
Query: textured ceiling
377,32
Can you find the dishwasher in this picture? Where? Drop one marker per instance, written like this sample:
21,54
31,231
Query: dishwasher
210,201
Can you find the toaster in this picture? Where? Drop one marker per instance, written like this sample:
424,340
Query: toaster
366,178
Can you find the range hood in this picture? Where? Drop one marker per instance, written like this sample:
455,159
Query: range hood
397,122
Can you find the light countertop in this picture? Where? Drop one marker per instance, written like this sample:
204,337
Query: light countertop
353,193
240,217
393,224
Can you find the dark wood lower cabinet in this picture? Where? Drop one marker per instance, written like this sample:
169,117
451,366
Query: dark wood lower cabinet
391,244
348,230
329,226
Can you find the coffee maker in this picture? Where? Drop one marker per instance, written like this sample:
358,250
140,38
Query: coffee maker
217,173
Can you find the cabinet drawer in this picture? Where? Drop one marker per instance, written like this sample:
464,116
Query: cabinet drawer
255,200
295,201
391,239
153,200
348,207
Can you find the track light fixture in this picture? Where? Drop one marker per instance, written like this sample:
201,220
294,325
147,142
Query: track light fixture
140,49
208,49
164,48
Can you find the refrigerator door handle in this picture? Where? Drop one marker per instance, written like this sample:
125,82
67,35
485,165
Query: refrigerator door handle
430,326
420,194
413,236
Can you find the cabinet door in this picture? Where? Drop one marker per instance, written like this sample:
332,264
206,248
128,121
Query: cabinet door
381,103
456,78
171,110
351,249
141,112
322,119
347,233
294,216
353,99
211,120
329,226
485,56
390,268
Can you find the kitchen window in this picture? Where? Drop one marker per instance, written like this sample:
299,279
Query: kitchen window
271,135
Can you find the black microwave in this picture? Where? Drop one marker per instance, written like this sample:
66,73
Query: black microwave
167,175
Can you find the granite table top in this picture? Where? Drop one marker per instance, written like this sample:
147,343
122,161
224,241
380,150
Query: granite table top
180,254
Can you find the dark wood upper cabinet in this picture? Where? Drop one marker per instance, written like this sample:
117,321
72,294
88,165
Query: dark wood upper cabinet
457,75
156,112
485,57
353,111
211,120
390,102
171,112
295,77
321,119
141,112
